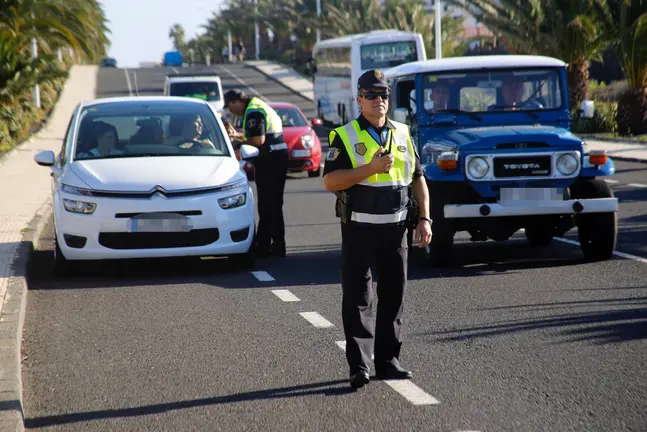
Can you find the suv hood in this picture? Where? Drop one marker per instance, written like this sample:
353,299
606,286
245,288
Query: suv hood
493,137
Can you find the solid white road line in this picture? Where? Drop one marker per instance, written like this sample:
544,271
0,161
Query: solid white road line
252,89
616,253
285,295
263,276
406,388
316,319
130,87
637,185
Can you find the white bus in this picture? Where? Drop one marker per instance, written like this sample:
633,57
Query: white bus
339,63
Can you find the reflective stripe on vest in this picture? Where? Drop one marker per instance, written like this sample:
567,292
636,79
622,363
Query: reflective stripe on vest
361,147
273,125
379,218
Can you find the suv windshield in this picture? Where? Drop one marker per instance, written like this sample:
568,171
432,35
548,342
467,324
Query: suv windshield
137,129
208,91
493,91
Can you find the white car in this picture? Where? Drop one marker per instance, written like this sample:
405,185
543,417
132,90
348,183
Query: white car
149,177
202,85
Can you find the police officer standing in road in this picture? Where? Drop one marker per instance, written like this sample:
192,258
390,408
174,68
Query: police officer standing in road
370,166
262,128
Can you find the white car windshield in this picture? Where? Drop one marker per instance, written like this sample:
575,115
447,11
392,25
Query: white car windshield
149,128
208,91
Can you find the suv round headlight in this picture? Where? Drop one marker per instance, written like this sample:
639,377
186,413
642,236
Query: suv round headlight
567,164
478,167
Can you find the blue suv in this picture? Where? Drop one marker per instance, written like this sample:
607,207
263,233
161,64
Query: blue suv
494,141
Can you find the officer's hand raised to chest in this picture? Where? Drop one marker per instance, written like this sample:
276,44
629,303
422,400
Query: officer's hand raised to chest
381,163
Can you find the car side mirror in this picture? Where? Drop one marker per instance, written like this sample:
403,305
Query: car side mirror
248,152
316,122
400,115
45,158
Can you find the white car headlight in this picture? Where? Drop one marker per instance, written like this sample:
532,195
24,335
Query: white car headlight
233,201
307,141
76,191
75,206
478,167
567,164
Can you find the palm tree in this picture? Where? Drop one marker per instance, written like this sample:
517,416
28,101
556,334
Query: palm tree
625,21
176,32
565,29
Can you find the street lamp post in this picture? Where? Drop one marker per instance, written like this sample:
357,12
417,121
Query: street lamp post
439,53
231,58
34,54
256,31
318,20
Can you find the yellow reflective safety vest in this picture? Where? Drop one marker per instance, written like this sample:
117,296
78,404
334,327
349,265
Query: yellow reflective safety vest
383,197
273,125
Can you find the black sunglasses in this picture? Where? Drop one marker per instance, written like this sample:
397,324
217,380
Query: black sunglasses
372,95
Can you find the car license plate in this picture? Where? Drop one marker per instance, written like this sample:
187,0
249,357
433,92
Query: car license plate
531,194
166,223
300,153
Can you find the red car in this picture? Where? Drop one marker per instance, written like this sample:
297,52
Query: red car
303,143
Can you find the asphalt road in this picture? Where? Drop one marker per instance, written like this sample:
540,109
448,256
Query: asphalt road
513,339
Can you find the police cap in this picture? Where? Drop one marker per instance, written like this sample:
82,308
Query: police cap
372,79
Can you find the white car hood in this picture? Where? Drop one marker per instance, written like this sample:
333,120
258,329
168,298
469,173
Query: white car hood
141,174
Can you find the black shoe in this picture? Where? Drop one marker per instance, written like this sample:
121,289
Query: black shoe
359,379
390,371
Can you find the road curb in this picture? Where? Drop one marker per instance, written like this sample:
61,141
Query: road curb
12,320
628,159
611,140
296,92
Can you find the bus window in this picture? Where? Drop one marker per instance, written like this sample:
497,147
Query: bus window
387,54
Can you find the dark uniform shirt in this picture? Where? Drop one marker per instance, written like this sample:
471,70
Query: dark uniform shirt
256,125
338,157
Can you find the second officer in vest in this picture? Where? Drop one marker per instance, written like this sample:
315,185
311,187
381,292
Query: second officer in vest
262,128
371,164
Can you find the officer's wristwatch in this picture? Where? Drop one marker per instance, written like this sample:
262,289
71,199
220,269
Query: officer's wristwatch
424,218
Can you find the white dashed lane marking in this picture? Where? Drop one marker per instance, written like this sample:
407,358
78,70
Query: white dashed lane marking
406,388
263,276
316,319
637,185
285,295
611,181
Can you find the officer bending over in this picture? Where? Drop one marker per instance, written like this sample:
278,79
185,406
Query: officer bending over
262,127
370,166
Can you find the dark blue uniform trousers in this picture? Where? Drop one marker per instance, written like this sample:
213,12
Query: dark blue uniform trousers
382,247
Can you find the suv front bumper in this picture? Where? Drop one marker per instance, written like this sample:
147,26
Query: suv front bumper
531,208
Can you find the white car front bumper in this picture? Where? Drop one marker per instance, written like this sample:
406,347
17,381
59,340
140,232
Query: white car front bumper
106,233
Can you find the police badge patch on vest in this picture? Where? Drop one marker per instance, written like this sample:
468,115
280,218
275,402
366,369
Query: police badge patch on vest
333,154
360,148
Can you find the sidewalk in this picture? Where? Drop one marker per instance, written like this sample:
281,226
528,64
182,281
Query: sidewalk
24,193
286,76
620,150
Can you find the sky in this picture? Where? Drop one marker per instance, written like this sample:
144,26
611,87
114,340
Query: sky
140,27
